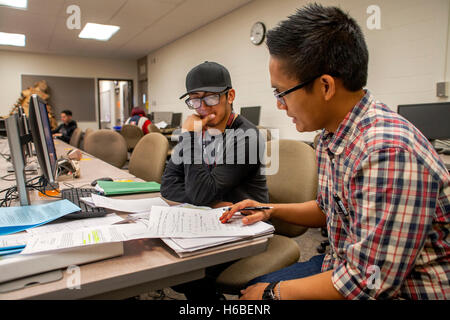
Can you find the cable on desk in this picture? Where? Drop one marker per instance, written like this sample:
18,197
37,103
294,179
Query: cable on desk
11,192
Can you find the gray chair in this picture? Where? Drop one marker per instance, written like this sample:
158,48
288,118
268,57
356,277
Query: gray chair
149,157
132,135
295,181
153,128
76,138
107,145
83,137
267,131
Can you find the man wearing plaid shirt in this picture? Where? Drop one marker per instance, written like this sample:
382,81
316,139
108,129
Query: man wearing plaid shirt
383,192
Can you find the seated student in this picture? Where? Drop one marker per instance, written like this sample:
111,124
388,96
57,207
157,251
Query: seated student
65,130
139,119
206,176
383,193
194,174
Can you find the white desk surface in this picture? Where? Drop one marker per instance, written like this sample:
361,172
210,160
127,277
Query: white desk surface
147,264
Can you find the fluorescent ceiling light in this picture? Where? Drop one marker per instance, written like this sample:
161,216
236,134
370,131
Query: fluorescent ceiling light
14,3
12,39
98,31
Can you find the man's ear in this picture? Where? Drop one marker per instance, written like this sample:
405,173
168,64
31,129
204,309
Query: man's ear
327,87
231,96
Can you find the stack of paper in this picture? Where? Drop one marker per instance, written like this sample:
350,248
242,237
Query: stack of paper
196,231
134,205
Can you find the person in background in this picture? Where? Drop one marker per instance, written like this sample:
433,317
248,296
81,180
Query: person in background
65,130
139,119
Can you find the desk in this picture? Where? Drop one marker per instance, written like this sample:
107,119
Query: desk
147,264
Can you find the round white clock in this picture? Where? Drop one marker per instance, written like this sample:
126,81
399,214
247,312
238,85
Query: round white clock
257,33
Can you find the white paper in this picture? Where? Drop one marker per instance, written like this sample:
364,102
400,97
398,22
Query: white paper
12,240
88,201
76,224
173,222
132,205
161,124
82,237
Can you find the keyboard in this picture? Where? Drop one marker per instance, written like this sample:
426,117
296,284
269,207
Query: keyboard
74,195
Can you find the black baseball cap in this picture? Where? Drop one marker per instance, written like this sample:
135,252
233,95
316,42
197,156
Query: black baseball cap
207,77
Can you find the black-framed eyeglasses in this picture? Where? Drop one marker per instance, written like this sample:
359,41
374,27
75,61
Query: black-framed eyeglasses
279,95
210,101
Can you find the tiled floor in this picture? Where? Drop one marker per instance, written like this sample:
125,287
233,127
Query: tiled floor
307,242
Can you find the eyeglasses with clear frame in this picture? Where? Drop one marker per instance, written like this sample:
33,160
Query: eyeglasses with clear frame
279,95
210,101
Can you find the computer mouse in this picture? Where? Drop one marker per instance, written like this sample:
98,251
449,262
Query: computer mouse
93,183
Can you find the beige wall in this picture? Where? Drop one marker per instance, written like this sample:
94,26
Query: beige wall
14,64
407,56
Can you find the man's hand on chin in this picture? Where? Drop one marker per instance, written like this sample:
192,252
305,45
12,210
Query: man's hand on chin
195,123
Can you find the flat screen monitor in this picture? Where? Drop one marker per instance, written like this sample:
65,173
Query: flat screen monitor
165,116
176,120
42,138
252,114
432,119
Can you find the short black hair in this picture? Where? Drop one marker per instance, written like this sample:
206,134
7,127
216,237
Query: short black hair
319,40
67,112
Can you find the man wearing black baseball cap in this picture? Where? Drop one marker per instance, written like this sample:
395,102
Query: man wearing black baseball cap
212,180
210,95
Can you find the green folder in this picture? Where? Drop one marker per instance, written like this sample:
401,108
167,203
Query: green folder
115,188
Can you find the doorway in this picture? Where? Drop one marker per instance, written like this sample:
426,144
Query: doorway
115,98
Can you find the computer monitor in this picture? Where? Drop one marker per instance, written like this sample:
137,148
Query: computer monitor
176,120
252,114
432,119
165,116
42,138
17,141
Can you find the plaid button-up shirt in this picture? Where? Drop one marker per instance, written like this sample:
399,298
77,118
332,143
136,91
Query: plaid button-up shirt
389,237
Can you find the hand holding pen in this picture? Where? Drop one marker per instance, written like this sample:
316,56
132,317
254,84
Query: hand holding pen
253,211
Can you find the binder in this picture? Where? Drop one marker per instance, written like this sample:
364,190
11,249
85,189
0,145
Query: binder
110,188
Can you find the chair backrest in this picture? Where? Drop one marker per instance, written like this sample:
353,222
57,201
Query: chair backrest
83,137
76,138
132,135
316,140
296,180
268,134
153,128
107,145
149,157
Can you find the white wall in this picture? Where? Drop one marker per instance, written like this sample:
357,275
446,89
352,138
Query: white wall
14,64
407,56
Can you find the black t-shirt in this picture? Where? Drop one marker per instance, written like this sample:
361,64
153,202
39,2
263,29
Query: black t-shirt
66,130
228,168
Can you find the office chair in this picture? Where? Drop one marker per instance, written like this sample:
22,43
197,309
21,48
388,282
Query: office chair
153,128
107,145
322,247
267,131
295,181
149,157
83,137
132,135
76,138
